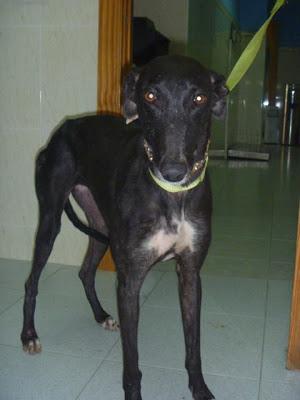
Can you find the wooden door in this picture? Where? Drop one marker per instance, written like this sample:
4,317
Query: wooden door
114,59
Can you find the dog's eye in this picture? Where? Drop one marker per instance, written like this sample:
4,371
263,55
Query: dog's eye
200,99
150,97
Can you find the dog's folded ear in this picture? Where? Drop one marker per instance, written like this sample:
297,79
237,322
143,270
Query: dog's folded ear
220,91
129,95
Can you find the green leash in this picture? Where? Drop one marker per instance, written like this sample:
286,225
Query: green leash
250,52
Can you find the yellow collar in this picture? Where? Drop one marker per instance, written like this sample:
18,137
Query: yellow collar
169,187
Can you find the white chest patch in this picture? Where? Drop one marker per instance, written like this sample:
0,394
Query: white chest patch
178,240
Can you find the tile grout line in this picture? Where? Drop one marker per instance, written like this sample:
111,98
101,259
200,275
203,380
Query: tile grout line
50,274
48,352
97,368
89,380
154,287
263,340
11,305
266,303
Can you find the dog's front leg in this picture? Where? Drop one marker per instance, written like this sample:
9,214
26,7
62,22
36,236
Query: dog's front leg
190,301
129,285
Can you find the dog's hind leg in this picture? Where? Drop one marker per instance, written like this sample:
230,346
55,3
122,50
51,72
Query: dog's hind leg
53,183
87,274
47,231
95,252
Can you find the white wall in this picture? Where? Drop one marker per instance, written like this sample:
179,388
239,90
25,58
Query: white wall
48,69
170,18
250,94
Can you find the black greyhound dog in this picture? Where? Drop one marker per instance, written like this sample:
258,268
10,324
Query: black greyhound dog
145,192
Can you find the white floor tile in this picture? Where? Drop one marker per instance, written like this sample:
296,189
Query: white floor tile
42,377
275,352
278,390
8,297
232,345
279,298
235,267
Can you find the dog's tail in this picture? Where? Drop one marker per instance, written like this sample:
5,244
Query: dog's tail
69,210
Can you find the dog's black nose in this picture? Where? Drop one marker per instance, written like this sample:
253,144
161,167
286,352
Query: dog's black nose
173,171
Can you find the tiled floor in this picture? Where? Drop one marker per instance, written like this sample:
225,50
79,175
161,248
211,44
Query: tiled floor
247,288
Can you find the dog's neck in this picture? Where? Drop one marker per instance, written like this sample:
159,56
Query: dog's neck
172,188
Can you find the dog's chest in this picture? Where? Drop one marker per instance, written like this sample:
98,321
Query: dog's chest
171,238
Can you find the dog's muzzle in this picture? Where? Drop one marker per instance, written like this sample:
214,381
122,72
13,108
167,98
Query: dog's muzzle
175,171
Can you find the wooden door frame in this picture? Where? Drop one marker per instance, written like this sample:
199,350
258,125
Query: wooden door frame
114,59
293,358
114,52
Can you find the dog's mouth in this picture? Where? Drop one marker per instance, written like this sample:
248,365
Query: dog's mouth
148,151
176,173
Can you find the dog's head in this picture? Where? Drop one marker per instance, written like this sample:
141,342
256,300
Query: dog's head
174,98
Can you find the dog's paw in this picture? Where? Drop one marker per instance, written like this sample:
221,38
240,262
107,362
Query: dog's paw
32,346
204,395
200,391
110,324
